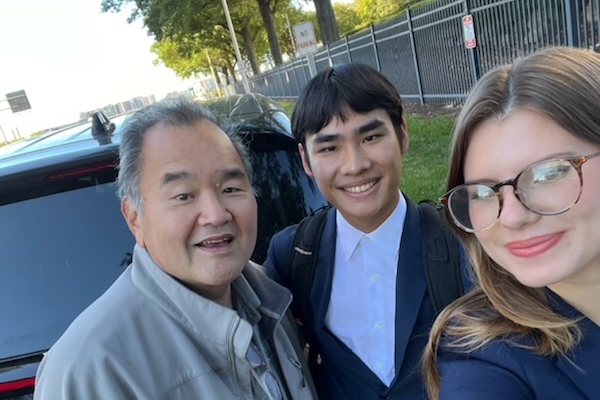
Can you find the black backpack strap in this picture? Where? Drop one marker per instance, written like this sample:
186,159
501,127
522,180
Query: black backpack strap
305,250
440,256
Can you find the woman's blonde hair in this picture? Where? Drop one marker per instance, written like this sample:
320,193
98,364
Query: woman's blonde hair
562,83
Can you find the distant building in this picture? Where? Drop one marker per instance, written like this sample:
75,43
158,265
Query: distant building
110,110
122,107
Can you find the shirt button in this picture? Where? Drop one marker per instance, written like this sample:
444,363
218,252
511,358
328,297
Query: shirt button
377,325
374,278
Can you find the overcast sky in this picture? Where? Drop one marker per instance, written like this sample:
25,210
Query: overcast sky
68,57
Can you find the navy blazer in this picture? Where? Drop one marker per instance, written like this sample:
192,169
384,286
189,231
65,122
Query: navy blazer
501,371
343,375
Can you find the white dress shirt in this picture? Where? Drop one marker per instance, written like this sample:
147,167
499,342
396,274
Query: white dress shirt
362,307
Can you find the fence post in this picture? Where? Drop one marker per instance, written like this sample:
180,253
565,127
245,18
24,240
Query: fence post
414,53
312,66
329,55
295,70
375,52
348,49
280,83
572,27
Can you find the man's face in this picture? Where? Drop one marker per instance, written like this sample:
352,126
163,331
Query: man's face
199,214
357,165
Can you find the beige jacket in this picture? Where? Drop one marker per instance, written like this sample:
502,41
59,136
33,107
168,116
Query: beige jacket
149,337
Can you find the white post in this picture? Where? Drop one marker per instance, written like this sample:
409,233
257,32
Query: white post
238,56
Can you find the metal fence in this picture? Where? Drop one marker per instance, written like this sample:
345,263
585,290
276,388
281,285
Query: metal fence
423,51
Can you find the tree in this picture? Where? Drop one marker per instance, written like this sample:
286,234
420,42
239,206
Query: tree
326,21
347,18
267,15
167,18
377,10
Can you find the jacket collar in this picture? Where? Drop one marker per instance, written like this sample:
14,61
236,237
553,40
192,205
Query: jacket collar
410,282
206,318
270,298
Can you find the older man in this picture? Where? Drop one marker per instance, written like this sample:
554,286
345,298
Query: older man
191,317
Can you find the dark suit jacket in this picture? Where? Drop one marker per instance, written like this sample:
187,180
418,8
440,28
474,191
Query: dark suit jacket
343,375
501,371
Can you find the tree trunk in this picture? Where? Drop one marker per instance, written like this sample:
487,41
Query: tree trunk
225,72
267,17
326,20
249,47
231,68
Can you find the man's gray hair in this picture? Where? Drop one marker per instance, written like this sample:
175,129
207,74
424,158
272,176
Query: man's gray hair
172,112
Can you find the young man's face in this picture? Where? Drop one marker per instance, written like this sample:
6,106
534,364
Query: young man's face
357,165
199,215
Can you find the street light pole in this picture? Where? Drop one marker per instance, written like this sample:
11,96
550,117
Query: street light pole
238,55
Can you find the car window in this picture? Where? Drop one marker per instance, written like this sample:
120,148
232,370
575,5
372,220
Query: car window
286,193
59,253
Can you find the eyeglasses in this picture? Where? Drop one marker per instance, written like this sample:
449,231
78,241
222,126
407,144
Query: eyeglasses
548,187
261,373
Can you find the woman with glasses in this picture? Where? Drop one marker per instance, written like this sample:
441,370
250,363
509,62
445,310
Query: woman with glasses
524,196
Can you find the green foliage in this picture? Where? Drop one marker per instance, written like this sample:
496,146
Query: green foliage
347,18
376,10
288,105
425,164
184,62
183,29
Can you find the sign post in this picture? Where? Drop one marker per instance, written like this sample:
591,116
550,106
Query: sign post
471,43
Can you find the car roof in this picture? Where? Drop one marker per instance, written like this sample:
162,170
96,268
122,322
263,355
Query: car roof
80,144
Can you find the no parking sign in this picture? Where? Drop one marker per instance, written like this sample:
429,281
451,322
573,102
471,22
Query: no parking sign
469,31
306,41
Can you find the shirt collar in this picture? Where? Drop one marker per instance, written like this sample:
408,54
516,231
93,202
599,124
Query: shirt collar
386,236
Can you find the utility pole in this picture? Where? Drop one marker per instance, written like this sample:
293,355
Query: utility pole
238,55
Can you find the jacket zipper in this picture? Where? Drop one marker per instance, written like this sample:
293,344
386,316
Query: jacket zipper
230,350
296,364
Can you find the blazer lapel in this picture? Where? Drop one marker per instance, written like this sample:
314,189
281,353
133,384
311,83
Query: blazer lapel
321,290
410,282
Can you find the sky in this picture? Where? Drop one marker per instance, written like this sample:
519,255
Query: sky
69,58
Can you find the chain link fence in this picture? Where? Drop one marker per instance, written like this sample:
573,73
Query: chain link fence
423,51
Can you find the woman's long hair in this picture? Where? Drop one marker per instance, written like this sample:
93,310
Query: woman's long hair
562,83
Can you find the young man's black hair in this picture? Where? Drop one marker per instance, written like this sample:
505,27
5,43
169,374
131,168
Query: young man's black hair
357,86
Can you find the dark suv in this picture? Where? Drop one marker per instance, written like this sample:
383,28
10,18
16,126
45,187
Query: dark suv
63,240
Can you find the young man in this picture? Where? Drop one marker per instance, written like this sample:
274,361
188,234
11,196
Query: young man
372,312
191,317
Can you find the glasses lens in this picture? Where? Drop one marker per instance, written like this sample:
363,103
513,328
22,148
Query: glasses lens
550,187
474,207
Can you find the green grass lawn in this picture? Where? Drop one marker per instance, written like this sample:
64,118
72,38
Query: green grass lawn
425,164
